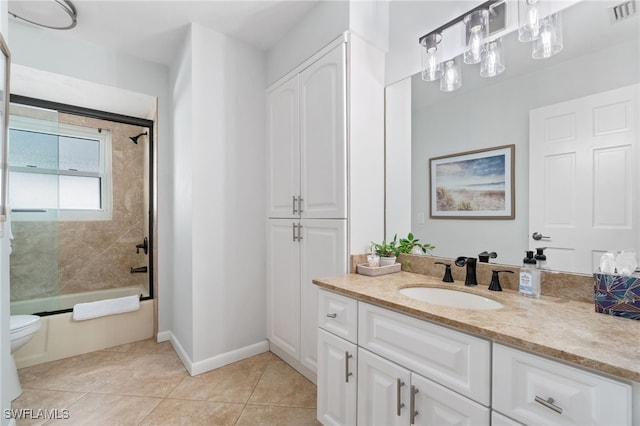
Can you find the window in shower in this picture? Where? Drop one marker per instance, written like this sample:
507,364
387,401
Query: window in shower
59,171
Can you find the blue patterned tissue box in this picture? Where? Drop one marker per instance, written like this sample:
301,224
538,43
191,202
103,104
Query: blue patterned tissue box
617,295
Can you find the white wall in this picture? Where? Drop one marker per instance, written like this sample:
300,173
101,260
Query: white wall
220,227
44,50
324,23
181,323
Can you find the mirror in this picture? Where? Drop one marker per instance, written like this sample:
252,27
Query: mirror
424,123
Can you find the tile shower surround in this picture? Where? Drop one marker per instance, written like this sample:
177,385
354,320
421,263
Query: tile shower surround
92,255
144,383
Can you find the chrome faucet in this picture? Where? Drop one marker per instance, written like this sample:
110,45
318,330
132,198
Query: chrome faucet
470,280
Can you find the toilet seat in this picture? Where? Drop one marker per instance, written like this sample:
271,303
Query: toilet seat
21,325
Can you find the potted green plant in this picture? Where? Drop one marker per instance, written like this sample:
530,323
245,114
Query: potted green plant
412,245
388,251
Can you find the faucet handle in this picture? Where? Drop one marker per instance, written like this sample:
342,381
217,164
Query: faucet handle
495,279
486,255
447,272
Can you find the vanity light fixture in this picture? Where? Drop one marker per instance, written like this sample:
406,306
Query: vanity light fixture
452,78
482,41
52,14
431,68
492,60
549,42
476,30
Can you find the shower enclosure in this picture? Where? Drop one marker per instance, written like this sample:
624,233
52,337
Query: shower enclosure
81,197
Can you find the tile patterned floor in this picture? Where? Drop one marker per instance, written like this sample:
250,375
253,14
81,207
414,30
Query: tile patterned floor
144,383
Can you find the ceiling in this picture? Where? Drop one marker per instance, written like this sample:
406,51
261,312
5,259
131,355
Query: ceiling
153,30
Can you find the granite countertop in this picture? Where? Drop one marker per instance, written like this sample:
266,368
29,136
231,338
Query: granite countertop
561,328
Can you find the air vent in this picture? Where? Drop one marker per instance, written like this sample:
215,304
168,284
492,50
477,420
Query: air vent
622,11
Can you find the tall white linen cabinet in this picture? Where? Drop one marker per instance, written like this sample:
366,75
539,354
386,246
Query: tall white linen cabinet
325,184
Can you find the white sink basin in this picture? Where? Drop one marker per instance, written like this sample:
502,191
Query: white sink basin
453,298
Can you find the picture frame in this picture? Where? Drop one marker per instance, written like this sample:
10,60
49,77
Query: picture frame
5,66
475,184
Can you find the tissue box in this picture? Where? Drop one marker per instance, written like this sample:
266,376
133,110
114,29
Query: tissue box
617,295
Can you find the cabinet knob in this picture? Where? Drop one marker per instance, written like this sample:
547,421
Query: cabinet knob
332,315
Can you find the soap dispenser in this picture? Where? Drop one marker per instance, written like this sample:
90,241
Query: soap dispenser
529,277
541,258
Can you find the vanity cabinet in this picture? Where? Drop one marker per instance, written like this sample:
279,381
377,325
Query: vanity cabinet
412,371
536,390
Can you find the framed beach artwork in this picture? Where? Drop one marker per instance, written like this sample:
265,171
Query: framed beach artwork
473,185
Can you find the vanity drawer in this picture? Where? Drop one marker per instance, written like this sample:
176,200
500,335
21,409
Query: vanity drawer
455,360
535,390
338,315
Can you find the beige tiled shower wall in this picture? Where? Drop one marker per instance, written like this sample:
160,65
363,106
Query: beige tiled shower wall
52,258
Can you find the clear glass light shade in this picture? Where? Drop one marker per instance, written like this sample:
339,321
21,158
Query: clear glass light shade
476,26
452,78
431,67
550,41
492,59
530,16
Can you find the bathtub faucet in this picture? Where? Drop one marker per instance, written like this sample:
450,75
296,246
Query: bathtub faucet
144,246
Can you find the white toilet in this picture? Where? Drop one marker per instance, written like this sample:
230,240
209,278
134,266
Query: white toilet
22,327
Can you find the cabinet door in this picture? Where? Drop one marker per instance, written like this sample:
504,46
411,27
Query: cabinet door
383,391
323,248
323,136
337,361
437,405
283,286
283,149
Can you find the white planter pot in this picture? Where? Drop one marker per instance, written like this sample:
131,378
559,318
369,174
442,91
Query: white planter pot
386,261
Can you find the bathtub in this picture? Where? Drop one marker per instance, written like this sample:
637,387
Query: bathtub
61,337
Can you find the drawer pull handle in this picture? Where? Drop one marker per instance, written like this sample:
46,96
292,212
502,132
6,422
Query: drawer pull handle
346,366
332,315
549,403
399,403
412,405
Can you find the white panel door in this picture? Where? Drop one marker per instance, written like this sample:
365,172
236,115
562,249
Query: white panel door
583,178
323,248
323,136
283,149
437,405
337,380
283,286
383,391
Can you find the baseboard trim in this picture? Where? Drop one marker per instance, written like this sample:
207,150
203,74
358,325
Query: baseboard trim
182,354
228,357
297,365
195,368
163,336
